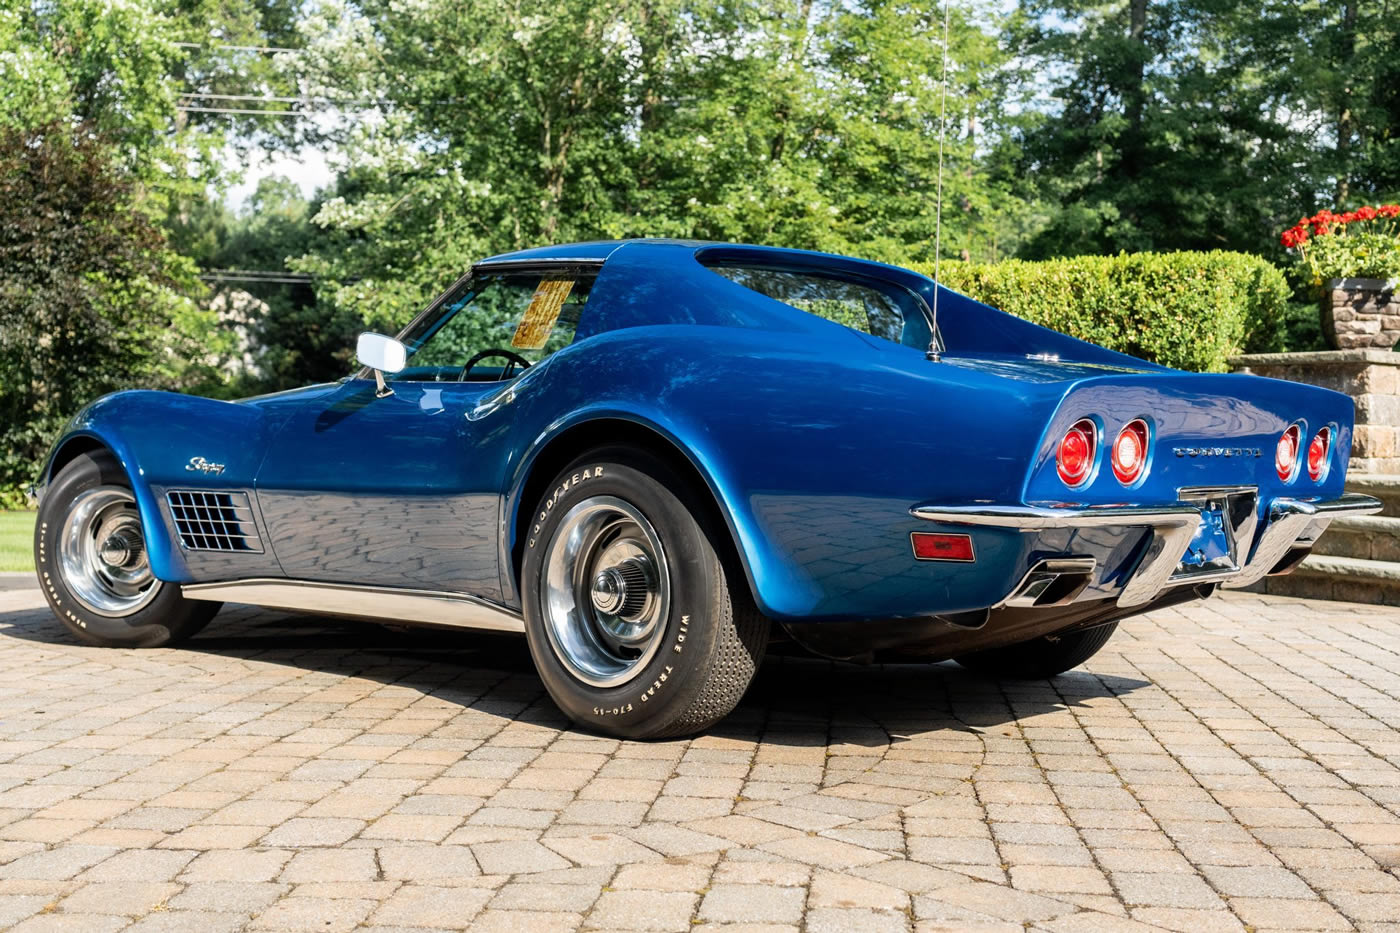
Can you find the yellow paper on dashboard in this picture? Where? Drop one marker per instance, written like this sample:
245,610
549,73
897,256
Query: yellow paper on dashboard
538,320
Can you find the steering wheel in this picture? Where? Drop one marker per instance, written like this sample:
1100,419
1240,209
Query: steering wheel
506,373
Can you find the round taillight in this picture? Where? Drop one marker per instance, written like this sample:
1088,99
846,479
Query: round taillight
1075,457
1286,454
1318,452
1130,452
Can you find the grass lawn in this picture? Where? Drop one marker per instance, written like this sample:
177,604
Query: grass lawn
17,540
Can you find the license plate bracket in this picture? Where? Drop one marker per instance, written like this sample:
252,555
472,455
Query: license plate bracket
1220,546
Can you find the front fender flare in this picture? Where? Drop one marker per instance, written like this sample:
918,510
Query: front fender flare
165,561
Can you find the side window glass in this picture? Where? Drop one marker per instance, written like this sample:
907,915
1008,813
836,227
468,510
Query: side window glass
511,314
872,308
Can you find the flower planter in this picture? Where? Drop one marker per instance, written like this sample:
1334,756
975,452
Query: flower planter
1361,314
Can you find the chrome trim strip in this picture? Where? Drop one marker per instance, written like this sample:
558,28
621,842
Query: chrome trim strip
1034,517
544,264
423,607
1353,503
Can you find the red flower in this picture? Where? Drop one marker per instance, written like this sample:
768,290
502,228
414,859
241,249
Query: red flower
1295,236
1389,210
1366,213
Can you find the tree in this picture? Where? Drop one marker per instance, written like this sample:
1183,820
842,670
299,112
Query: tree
522,122
295,341
140,75
91,297
101,153
1343,70
1199,124
1158,137
818,125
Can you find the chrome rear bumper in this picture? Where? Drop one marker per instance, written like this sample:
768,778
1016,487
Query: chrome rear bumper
1291,523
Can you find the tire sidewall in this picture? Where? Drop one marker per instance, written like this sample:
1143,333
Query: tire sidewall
148,626
674,676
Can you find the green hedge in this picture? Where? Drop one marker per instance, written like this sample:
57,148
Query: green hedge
1186,310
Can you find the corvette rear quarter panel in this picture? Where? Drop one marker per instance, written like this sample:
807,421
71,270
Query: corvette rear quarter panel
817,451
816,448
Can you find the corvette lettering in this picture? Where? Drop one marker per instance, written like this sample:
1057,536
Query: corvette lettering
1218,452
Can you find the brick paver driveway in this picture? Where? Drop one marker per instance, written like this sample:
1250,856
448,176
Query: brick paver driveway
1235,763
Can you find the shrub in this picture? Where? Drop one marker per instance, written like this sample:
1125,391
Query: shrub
1185,310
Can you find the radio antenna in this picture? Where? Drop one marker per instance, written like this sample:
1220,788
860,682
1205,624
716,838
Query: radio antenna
934,353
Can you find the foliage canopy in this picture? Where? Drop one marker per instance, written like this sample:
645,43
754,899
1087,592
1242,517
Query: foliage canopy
91,300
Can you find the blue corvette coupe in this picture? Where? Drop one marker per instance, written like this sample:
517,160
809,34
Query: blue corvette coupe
652,457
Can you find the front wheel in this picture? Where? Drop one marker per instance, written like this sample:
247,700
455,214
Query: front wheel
91,557
632,619
1041,657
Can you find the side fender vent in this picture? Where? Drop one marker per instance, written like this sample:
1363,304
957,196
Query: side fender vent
214,521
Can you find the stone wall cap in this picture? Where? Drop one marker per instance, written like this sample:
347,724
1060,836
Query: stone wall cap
1359,285
1364,481
1352,357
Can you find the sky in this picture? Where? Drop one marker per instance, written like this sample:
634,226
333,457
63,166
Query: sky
309,168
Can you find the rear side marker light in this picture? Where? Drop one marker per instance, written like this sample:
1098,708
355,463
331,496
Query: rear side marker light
1319,452
1074,458
1129,454
1286,454
942,547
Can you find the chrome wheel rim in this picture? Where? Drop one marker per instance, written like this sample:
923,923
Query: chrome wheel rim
605,591
102,553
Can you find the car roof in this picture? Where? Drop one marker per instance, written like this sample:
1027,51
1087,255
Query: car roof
588,251
597,251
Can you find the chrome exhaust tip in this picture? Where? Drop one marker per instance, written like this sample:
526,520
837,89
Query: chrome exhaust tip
1054,582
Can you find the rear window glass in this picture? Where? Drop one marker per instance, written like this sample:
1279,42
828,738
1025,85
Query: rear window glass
875,308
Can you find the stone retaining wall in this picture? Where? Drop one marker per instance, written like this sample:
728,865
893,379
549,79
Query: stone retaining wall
1371,377
1361,313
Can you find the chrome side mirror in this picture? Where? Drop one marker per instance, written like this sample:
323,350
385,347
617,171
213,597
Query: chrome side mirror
383,355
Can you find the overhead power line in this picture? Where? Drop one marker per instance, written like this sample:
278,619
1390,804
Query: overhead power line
331,101
258,276
271,49
253,113
282,100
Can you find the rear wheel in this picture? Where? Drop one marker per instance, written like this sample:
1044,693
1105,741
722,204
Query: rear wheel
1041,657
632,620
91,557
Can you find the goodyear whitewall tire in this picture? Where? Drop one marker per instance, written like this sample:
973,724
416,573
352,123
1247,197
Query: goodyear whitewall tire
633,622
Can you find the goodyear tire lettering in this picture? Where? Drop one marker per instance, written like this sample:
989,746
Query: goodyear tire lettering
554,497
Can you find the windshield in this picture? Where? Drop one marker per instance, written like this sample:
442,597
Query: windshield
498,319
